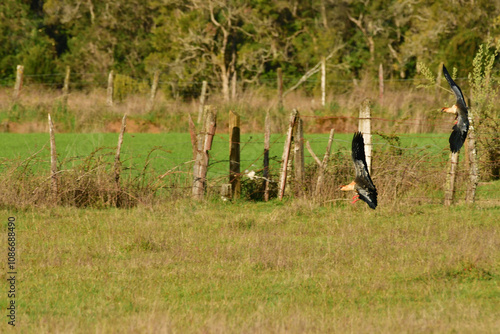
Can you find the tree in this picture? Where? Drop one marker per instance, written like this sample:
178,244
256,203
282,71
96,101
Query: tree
95,36
23,41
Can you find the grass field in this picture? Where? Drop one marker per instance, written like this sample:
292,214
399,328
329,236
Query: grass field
172,149
302,265
273,267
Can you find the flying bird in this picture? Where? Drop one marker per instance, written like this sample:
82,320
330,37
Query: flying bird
362,184
461,126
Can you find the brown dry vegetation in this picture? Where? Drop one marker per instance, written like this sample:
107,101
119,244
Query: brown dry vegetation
404,109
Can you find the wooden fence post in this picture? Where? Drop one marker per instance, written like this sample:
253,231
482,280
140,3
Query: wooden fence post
66,86
280,88
470,196
118,151
449,191
203,97
154,88
381,83
364,127
323,81
19,81
234,154
322,166
298,152
53,161
286,154
204,144
109,99
267,140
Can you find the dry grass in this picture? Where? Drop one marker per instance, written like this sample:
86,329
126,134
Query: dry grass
277,267
89,113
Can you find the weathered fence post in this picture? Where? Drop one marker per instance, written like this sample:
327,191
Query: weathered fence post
154,88
109,99
234,154
203,97
449,191
53,161
280,88
322,166
473,169
267,140
286,154
66,86
323,81
364,127
381,83
204,144
298,152
118,151
19,81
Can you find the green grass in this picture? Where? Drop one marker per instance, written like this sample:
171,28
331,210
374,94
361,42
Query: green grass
258,267
165,151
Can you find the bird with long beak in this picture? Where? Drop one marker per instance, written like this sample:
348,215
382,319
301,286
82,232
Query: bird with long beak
460,109
362,184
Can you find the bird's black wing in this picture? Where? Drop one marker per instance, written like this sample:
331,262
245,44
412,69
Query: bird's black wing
364,184
459,133
460,129
456,90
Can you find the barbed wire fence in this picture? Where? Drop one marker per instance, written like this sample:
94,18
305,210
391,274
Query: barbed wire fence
401,172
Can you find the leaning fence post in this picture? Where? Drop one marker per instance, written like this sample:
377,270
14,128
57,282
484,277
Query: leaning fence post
450,179
204,144
286,154
19,81
323,164
364,127
66,86
154,88
267,140
109,99
53,161
234,154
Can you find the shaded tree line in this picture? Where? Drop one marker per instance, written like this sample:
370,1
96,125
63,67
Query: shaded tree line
240,43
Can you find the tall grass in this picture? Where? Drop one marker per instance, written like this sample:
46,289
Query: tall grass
293,266
87,110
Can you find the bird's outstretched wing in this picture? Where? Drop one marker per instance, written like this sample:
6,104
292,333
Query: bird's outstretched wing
364,184
460,129
456,90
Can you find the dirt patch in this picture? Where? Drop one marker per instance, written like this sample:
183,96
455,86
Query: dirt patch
133,126
26,127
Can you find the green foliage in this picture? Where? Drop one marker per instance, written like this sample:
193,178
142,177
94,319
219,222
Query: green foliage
191,41
124,86
484,110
